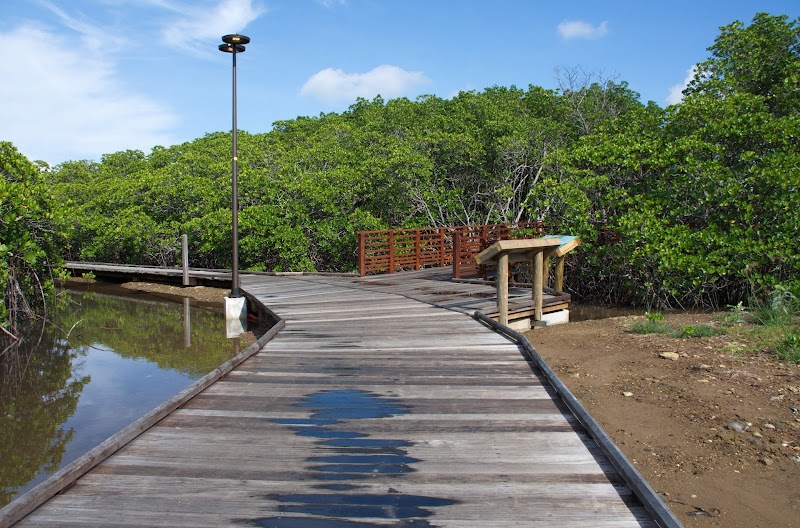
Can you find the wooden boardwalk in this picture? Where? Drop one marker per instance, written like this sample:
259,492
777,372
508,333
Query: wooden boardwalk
369,409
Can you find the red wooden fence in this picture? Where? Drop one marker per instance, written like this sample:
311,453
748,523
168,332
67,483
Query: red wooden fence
468,241
402,249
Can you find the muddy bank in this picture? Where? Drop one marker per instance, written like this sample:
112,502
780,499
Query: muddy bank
715,431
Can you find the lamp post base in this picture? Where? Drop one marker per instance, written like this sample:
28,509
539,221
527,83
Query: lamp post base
235,316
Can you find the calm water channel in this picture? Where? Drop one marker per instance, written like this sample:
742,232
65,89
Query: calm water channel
105,361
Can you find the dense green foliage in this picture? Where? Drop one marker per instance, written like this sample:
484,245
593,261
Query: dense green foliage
32,236
692,204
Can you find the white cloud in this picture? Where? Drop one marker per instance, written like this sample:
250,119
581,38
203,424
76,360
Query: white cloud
199,24
94,37
330,4
577,29
676,92
60,101
332,86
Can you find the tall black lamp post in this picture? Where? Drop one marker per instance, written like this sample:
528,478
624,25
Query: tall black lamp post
234,44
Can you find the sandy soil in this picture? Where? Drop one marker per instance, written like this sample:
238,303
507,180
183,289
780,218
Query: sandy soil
210,296
715,432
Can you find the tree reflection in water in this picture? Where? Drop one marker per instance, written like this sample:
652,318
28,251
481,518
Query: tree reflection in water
37,395
120,356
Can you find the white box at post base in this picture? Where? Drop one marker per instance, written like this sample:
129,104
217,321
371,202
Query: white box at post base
235,316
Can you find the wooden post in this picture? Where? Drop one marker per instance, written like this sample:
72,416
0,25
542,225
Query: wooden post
185,258
457,254
442,259
362,257
417,250
390,243
558,279
545,269
502,288
536,285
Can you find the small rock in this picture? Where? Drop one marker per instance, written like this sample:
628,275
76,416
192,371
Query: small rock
758,435
702,366
769,426
776,398
794,390
766,461
739,427
627,394
673,356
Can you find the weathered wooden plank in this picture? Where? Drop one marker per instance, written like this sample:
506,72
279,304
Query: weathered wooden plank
421,408
470,423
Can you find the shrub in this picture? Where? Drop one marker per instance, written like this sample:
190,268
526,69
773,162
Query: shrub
778,309
789,348
696,331
650,327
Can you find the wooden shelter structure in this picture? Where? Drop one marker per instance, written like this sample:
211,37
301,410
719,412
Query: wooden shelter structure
537,252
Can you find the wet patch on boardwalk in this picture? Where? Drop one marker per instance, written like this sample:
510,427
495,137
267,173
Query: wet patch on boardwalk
350,457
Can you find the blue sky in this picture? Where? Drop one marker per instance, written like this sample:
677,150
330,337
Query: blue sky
81,78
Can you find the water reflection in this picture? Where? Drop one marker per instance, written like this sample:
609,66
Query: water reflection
38,393
103,362
349,458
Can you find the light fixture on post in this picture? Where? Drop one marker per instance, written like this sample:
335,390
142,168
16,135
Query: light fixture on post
234,304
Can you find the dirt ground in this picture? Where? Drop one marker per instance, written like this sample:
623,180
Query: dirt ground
715,432
204,294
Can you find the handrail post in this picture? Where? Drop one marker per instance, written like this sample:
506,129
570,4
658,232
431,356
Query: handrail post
442,259
362,257
417,250
456,254
390,243
185,258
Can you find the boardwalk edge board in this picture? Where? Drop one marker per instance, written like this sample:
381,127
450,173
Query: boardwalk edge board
64,478
662,515
166,274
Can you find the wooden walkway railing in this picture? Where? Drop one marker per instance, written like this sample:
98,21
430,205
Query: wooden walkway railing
394,250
